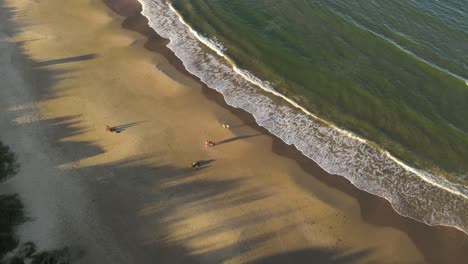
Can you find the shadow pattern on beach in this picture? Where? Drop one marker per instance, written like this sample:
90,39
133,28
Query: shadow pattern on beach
157,211
158,201
374,210
437,244
174,207
21,108
39,64
45,81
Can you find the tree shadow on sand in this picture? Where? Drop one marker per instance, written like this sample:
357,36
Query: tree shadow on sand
45,63
168,200
35,71
151,207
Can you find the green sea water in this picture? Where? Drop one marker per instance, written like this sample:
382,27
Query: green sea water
391,71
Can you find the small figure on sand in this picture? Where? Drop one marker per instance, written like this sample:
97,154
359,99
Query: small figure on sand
226,126
196,164
209,143
109,129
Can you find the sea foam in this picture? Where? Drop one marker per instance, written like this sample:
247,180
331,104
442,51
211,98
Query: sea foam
413,193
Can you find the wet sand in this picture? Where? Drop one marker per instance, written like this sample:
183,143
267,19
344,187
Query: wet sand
131,197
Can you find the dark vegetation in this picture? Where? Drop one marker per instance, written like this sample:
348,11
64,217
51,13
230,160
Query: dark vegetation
11,209
11,216
8,165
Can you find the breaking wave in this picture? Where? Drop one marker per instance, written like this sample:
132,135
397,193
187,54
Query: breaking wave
412,192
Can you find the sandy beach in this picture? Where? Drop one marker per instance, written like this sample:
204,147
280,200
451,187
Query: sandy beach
69,68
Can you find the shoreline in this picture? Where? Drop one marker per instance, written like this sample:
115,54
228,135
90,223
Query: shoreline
135,21
150,206
409,200
450,181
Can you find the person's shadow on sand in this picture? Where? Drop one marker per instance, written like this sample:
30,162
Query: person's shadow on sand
121,128
203,164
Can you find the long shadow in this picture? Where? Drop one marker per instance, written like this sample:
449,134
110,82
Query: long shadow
121,128
39,64
206,162
236,138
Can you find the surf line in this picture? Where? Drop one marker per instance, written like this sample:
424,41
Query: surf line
427,177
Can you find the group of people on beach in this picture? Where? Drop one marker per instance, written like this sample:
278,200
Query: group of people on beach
208,144
195,164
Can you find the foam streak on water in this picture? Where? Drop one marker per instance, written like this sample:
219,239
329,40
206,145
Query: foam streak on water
348,18
413,193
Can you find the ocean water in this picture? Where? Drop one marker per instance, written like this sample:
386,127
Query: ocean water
374,91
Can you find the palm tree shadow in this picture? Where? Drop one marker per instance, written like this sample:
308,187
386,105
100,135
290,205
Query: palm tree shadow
39,64
121,128
236,138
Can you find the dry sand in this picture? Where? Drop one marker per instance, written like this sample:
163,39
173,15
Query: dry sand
68,69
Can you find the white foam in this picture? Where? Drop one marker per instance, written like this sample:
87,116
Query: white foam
413,193
26,114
